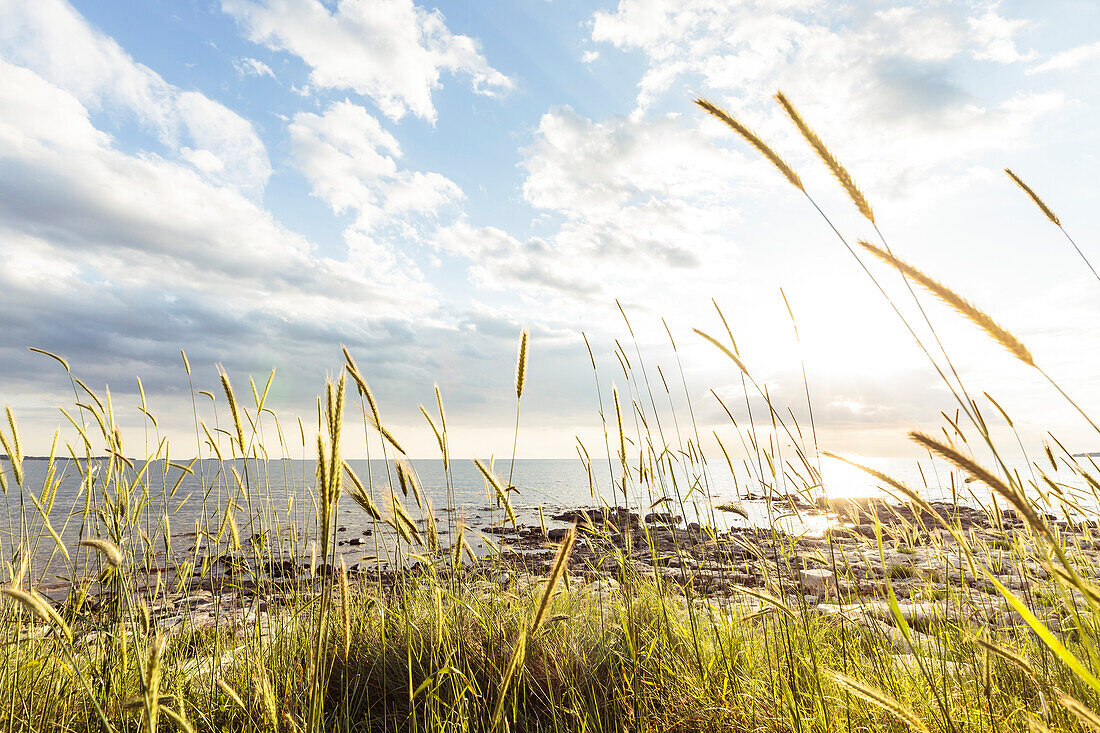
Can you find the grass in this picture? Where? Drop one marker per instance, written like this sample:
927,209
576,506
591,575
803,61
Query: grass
979,617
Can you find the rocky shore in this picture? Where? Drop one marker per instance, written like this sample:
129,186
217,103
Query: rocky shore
841,574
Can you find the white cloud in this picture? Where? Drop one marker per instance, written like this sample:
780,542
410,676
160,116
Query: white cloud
252,67
351,163
51,38
141,248
1069,59
389,50
632,202
995,37
879,85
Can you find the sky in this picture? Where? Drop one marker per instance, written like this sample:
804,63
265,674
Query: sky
258,182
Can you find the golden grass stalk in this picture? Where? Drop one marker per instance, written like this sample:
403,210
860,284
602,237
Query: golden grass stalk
768,599
556,572
359,493
458,544
839,171
1008,655
431,529
1087,717
442,414
267,697
752,139
362,386
502,495
402,522
152,680
40,607
724,350
52,355
878,698
1018,501
1034,197
619,420
110,551
231,694
411,479
402,480
733,507
234,532
179,719
521,365
233,409
13,458
948,296
435,431
518,656
16,445
386,434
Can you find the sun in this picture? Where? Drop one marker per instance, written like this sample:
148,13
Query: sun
844,481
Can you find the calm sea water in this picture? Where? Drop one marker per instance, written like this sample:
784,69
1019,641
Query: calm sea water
281,492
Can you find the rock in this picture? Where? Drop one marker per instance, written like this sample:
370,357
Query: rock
603,586
819,581
616,518
664,518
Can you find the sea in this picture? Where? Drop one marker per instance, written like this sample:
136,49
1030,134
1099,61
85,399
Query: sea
181,505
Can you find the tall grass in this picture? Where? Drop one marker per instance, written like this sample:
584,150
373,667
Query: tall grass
978,614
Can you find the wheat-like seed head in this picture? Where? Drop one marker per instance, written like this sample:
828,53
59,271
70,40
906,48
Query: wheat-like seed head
1013,496
435,430
976,316
361,385
1034,197
60,359
752,139
498,489
1082,712
561,562
838,170
727,352
359,493
110,551
1006,654
16,444
233,410
153,677
442,414
878,698
521,365
40,607
16,464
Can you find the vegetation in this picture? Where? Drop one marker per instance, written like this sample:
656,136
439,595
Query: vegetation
259,625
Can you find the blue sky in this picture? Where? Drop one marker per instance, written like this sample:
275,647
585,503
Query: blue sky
258,182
